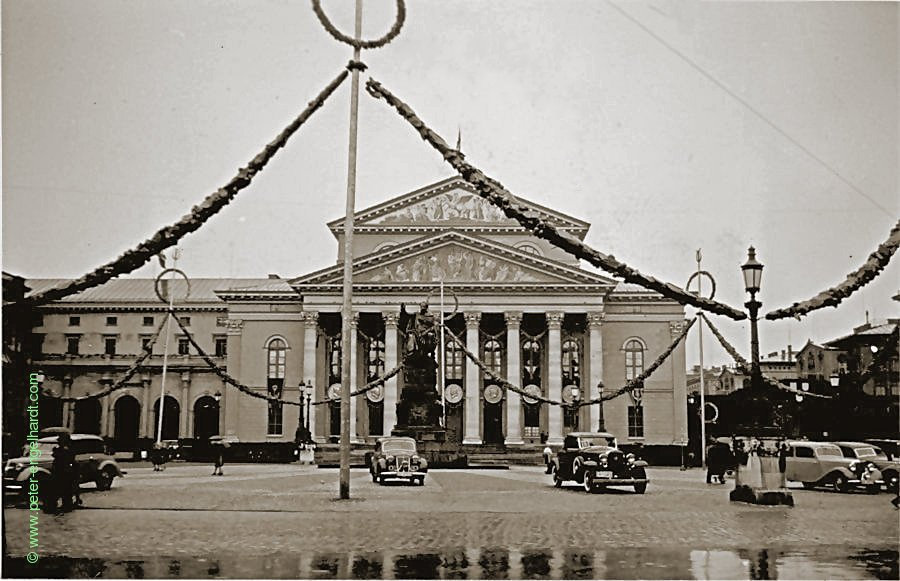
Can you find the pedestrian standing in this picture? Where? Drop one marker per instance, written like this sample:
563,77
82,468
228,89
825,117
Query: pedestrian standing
218,458
62,473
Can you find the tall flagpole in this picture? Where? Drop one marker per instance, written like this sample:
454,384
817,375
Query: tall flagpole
347,307
702,381
162,389
443,370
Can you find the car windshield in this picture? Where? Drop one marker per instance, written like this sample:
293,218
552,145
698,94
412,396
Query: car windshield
586,441
46,448
399,447
829,451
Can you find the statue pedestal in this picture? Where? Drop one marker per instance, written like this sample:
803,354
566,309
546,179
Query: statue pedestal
761,482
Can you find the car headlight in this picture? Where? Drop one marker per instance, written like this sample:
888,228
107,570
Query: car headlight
603,462
854,466
630,458
390,459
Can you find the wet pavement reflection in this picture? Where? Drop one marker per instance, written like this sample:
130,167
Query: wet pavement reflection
831,562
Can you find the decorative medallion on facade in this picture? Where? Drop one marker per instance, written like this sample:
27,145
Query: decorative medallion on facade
453,394
571,394
493,394
532,390
376,394
334,391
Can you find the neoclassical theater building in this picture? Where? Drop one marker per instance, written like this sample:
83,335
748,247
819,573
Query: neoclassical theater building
528,309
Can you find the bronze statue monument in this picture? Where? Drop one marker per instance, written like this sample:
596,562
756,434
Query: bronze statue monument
419,407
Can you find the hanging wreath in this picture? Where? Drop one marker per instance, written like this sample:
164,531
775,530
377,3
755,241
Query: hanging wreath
359,43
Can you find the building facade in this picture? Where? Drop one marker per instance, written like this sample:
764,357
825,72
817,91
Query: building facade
525,307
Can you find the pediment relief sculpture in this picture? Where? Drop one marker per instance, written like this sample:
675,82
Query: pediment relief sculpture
452,265
452,206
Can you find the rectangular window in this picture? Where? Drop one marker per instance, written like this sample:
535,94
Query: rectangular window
145,343
186,321
453,363
37,321
109,345
275,426
184,346
72,342
74,321
148,321
635,421
221,346
112,321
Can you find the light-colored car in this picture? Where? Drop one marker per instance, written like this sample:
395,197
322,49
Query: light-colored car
865,452
821,464
95,464
396,458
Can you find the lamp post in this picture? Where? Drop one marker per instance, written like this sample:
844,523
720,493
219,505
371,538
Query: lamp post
302,424
752,271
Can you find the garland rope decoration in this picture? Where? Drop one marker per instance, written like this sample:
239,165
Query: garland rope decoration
224,376
170,235
635,383
120,384
494,192
857,279
745,367
358,43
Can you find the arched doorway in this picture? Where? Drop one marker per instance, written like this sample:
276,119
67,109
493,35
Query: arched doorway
87,416
171,419
206,417
128,421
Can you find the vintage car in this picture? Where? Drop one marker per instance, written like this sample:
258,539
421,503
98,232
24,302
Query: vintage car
867,453
95,464
593,460
823,464
395,458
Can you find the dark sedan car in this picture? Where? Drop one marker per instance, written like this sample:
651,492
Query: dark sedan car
593,460
396,458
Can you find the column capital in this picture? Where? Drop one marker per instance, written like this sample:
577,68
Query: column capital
472,320
391,318
234,326
185,378
513,319
595,319
554,320
310,317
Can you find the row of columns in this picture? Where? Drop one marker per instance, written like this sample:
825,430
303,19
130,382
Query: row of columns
471,433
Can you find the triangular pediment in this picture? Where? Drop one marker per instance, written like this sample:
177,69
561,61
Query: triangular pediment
450,203
456,258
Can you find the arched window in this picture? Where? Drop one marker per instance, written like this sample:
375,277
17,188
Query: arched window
571,362
453,362
529,248
531,362
634,359
493,357
277,354
374,359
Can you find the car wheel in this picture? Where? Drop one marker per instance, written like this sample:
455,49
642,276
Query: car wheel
640,487
891,481
557,481
105,479
840,483
588,481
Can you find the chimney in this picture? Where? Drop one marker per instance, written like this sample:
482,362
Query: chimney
782,355
790,352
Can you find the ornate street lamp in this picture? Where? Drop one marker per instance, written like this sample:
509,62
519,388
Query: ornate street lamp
752,271
306,391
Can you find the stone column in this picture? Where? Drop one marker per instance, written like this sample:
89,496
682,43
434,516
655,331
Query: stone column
514,376
390,361
473,385
104,407
68,406
184,424
145,406
309,373
232,397
354,383
595,412
554,353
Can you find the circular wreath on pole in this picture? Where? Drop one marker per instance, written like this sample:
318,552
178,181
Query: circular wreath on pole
359,43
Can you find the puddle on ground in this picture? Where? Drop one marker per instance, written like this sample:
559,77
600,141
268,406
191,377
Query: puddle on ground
821,562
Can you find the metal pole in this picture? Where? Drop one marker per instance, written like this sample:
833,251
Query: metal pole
162,390
702,381
347,308
753,306
443,371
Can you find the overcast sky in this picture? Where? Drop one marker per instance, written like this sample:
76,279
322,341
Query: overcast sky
669,126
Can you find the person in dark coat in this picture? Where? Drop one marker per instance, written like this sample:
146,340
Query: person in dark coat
63,473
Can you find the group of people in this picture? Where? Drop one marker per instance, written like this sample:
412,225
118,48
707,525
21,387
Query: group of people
63,494
719,459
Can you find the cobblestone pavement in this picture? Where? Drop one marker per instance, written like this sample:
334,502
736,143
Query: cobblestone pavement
287,517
